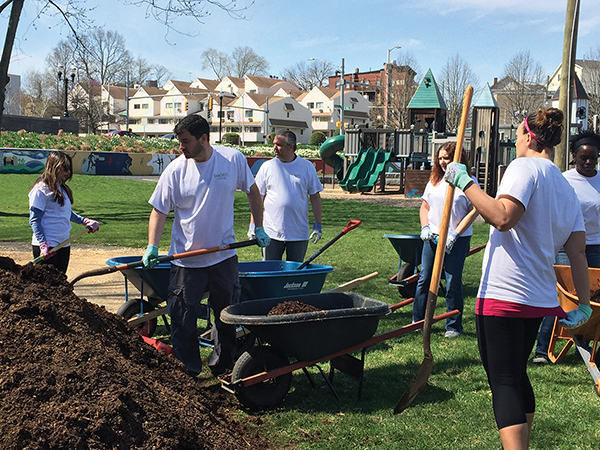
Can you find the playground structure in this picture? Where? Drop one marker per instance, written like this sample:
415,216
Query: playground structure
371,159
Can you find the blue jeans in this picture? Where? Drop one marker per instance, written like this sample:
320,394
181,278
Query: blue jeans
453,269
592,252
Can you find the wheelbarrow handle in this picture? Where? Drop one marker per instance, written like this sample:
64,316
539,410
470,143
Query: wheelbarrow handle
350,226
165,258
62,244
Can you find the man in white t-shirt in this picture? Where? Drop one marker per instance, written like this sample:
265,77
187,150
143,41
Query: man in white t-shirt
200,187
287,183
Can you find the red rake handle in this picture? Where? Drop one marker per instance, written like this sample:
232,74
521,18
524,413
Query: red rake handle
350,226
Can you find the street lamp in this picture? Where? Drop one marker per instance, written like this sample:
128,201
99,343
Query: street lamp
342,84
387,85
63,75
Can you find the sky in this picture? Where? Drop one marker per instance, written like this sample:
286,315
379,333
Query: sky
485,33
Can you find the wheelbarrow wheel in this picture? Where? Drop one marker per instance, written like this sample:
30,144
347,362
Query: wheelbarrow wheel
132,308
267,394
405,271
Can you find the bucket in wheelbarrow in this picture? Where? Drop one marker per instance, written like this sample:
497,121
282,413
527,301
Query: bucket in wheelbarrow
270,279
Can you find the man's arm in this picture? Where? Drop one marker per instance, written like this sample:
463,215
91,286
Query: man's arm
156,226
315,201
256,205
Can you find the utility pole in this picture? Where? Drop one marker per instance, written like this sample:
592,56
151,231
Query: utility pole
387,87
342,83
567,70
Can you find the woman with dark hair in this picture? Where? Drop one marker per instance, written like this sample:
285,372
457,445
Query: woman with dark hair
585,179
50,214
535,213
457,245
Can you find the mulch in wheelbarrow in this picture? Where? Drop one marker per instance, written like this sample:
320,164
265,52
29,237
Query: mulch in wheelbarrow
74,376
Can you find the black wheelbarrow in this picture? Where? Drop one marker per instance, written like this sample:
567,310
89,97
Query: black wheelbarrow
345,323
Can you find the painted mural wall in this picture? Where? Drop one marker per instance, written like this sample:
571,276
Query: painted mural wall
109,163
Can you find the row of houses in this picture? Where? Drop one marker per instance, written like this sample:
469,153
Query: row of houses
253,107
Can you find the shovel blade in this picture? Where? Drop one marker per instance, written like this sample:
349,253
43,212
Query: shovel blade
416,386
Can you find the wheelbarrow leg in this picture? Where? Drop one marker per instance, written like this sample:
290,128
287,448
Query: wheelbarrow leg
327,381
310,380
588,361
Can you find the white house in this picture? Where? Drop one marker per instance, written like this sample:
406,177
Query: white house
324,103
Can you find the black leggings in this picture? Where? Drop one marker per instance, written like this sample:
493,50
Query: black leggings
504,346
60,260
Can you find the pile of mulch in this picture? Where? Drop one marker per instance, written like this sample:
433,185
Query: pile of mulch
291,307
74,376
595,296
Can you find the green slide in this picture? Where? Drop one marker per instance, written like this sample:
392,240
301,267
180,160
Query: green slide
328,152
358,170
381,159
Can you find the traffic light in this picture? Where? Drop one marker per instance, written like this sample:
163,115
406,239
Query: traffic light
210,103
185,105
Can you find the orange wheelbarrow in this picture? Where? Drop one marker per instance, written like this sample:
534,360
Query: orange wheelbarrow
590,331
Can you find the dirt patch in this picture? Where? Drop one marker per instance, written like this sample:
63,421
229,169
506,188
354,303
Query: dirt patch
74,376
291,307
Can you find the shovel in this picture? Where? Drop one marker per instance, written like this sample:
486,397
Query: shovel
420,380
350,226
61,245
133,265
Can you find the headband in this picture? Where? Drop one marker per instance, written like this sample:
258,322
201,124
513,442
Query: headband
530,132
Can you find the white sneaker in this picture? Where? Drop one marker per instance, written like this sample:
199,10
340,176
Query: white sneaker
452,334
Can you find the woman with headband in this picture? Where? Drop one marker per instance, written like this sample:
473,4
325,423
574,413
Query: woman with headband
535,213
585,179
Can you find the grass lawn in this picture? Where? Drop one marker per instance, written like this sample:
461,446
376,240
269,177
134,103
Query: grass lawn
453,412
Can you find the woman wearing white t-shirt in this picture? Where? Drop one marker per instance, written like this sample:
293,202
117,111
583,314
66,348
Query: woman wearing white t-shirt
457,245
535,213
50,214
585,179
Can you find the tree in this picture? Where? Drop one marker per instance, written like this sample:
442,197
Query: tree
217,61
74,15
37,96
454,79
307,76
244,61
522,89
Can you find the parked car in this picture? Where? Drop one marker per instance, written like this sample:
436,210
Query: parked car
120,133
169,136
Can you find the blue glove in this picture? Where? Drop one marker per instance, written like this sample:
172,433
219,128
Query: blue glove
426,233
316,233
262,237
457,175
251,228
577,317
150,257
452,237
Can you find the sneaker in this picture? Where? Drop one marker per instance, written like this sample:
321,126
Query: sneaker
452,334
540,359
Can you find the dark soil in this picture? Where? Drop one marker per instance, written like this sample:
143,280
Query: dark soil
74,376
595,296
291,307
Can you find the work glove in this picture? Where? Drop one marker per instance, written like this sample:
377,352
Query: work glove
150,257
316,233
426,233
91,224
451,240
251,228
262,237
457,175
45,250
577,317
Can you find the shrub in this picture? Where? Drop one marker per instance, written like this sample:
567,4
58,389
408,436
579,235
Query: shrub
231,139
317,138
271,138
